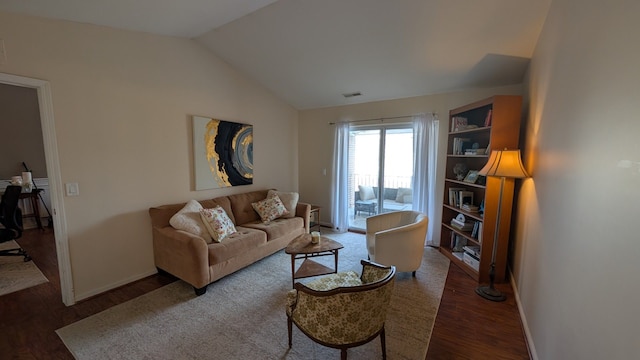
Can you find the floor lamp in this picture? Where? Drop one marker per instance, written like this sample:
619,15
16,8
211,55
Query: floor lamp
503,164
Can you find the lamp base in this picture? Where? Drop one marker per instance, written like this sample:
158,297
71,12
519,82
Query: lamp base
490,293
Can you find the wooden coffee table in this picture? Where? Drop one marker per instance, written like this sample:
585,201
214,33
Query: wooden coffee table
302,248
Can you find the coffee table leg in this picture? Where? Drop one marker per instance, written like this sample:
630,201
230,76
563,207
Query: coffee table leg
336,253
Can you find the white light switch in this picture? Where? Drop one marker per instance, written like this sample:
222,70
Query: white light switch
72,189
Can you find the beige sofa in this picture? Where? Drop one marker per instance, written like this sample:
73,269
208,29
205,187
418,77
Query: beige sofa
190,258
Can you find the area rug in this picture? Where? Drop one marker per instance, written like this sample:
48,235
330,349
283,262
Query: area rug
15,273
242,316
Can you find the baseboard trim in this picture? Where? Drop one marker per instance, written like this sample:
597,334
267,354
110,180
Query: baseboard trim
525,326
112,286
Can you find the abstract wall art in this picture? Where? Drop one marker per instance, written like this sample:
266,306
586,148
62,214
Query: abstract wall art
222,153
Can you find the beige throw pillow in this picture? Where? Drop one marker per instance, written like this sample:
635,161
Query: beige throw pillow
404,195
188,219
289,199
366,193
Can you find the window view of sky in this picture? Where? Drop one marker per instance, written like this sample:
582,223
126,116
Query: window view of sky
398,152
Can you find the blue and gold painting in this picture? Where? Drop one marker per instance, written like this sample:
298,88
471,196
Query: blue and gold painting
223,153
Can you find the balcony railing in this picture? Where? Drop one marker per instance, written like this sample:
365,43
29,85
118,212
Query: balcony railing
390,182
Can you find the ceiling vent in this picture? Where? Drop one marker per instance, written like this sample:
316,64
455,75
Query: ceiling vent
353,94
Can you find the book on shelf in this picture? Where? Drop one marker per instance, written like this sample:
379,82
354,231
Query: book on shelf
454,196
470,208
473,250
471,261
462,226
459,145
474,151
474,232
487,120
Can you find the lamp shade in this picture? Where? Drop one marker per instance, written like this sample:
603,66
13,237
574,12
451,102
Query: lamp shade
504,163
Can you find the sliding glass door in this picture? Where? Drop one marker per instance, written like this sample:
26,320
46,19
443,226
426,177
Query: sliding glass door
380,171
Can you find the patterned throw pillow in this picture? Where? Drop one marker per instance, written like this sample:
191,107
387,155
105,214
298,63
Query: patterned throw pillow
217,223
188,219
270,208
289,199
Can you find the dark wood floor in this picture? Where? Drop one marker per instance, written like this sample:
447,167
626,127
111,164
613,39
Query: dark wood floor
467,326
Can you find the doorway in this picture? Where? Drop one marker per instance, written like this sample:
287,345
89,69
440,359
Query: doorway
53,173
380,171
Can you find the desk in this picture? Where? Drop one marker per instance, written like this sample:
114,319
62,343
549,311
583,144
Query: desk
33,198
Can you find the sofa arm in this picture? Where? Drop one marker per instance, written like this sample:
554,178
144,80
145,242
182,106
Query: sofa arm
181,254
303,210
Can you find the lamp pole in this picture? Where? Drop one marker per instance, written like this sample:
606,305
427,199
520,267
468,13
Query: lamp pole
490,292
504,164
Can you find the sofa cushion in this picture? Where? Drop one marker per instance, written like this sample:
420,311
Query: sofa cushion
366,193
404,195
242,241
241,207
188,219
279,227
217,223
289,199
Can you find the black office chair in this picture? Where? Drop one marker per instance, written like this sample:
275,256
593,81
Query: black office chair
11,219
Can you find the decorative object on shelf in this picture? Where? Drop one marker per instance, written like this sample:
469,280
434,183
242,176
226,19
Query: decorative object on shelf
471,177
460,170
503,164
458,124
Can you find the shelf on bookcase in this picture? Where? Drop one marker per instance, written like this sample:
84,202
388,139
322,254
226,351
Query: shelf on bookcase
467,131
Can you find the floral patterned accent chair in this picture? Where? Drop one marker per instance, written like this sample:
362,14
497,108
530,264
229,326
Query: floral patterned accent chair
343,310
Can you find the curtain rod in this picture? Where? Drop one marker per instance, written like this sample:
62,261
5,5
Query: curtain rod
382,119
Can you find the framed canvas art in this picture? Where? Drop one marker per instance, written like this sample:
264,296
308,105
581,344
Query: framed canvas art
222,153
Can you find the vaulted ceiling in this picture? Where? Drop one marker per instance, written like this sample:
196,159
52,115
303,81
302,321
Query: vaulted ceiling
311,52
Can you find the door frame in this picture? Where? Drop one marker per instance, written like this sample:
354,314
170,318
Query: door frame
45,104
383,128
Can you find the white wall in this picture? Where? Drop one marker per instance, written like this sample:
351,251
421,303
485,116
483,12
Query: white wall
577,245
122,105
317,138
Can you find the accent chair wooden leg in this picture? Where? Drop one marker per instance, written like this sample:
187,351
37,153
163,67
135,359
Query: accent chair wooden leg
384,344
343,354
289,329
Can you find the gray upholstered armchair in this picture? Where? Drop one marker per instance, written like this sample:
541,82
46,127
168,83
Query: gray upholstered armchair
343,310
